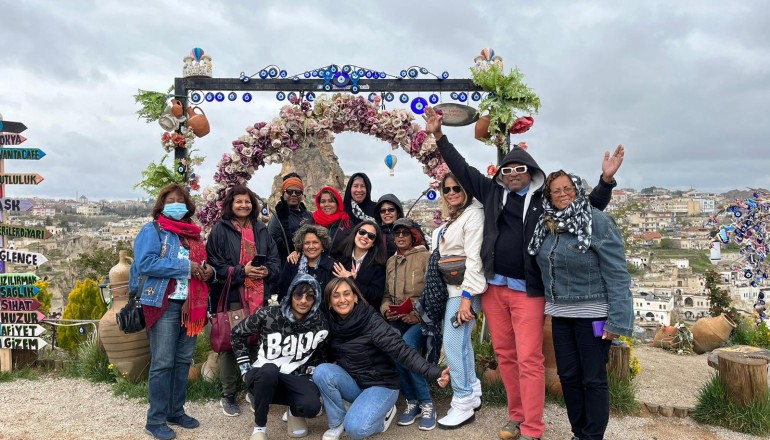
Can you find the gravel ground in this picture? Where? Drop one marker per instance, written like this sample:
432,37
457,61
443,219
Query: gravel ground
60,408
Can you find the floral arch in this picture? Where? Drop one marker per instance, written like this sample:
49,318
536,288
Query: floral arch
301,124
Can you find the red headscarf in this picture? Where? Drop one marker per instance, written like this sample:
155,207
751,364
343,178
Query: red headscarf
326,220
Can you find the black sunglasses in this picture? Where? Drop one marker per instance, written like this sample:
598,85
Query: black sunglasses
371,235
387,210
294,192
402,233
456,188
310,296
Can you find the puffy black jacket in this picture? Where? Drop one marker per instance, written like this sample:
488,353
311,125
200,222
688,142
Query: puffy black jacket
387,230
490,192
370,278
284,224
224,251
368,348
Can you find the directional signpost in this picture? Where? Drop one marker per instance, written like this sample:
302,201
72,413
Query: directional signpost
20,318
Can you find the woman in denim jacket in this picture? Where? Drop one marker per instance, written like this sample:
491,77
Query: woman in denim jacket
170,273
587,290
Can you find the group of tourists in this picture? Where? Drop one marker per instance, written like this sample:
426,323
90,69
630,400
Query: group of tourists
367,303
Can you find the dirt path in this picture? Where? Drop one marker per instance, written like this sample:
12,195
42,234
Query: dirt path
59,408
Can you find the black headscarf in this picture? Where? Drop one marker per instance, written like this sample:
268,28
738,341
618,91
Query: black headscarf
367,206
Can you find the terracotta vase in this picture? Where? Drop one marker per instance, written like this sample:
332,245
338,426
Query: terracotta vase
710,333
129,353
194,374
176,108
664,337
482,128
492,376
210,367
552,383
198,122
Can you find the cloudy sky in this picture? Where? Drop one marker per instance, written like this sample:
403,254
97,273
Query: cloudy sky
685,86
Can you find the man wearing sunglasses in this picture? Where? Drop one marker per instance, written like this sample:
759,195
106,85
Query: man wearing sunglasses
290,214
514,302
291,343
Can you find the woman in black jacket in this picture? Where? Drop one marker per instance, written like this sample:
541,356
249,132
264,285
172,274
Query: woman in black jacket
311,243
363,260
364,349
358,199
232,246
388,210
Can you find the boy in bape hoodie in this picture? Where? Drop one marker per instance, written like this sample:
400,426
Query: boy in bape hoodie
291,344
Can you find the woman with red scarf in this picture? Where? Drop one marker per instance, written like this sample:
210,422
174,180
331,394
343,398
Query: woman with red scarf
170,272
245,259
330,213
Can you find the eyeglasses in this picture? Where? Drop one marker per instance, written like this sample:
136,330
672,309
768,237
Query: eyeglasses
457,188
371,235
387,210
310,296
519,169
402,233
294,192
566,190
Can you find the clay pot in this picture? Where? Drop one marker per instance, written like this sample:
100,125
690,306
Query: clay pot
665,336
210,367
176,108
194,374
129,353
198,122
552,383
710,333
482,128
491,376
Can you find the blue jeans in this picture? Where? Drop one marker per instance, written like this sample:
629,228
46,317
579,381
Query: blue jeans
414,386
581,360
171,351
458,348
366,415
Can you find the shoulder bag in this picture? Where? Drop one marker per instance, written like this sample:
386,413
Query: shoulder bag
131,317
223,320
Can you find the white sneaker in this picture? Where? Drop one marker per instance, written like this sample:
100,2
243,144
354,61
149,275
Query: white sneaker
456,419
389,418
333,433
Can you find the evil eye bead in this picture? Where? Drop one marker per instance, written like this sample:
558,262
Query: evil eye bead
283,73
737,213
402,73
368,74
476,96
263,74
355,76
232,96
196,98
273,72
219,96
355,89
246,97
418,105
383,75
404,98
341,79
209,97
310,97
444,75
314,74
346,68
433,98
307,74
462,96
412,73
431,195
292,97
453,95
423,70
280,96
371,96
389,96
327,87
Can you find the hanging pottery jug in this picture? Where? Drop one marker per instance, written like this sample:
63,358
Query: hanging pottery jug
198,122
482,128
710,333
129,353
176,108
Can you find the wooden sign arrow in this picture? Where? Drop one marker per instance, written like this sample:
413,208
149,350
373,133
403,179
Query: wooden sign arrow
22,153
18,279
11,139
15,204
21,179
25,232
22,343
19,304
22,257
12,127
18,291
22,330
21,317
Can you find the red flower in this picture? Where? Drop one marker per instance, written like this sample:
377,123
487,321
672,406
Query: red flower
522,145
522,125
491,170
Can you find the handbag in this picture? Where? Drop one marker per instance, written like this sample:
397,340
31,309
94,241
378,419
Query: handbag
223,320
131,318
452,269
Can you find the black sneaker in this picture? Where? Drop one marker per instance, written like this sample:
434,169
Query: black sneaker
229,407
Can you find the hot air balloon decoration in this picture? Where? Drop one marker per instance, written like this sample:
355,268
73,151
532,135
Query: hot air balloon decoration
390,162
197,63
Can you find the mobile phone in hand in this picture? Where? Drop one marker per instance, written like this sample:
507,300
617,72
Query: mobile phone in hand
259,260
454,321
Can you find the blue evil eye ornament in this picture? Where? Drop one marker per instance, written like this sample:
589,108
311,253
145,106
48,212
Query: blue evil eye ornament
404,98
247,97
196,98
433,99
219,96
209,97
418,105
232,96
431,195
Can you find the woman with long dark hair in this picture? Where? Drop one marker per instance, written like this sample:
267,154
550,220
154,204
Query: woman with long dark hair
170,271
240,250
363,260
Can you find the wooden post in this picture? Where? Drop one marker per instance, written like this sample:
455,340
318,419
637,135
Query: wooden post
619,364
6,356
744,377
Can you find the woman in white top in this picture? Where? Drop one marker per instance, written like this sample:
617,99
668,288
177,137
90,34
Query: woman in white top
461,236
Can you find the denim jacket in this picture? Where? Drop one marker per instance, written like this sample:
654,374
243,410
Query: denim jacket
598,276
155,263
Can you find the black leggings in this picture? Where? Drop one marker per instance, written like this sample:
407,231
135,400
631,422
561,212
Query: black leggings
268,385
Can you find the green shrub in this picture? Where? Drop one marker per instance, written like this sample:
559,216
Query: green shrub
22,373
623,396
91,362
715,407
85,302
751,334
202,349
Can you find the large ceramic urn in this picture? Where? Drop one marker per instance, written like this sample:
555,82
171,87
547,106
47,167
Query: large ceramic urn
130,354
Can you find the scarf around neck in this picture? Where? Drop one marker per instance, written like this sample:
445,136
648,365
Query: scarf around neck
198,295
575,219
327,220
358,212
